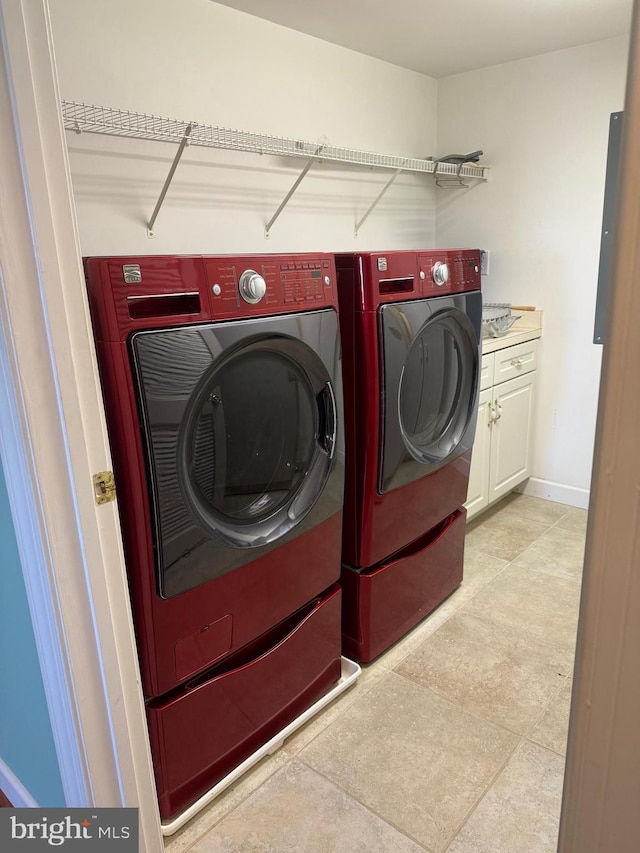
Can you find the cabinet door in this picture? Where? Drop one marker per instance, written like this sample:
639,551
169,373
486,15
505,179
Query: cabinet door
511,434
478,491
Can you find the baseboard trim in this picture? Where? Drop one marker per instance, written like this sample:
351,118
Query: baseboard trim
14,790
558,492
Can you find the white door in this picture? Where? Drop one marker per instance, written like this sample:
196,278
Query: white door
478,491
511,434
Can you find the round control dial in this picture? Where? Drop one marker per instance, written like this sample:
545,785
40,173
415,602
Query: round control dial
440,273
252,286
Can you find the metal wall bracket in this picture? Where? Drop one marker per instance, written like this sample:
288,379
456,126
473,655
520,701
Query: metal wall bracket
285,200
88,118
375,202
183,144
450,181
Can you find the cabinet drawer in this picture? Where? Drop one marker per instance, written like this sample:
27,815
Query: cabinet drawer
515,361
486,371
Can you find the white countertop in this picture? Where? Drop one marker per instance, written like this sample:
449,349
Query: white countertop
527,328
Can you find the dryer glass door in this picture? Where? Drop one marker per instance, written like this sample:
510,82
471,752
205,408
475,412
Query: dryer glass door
241,422
431,387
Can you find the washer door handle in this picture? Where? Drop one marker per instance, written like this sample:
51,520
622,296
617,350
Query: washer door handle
326,403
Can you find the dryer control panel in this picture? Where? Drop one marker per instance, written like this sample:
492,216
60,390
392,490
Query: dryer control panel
371,279
449,271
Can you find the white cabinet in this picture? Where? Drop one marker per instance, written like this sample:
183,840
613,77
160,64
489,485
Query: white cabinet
478,491
501,457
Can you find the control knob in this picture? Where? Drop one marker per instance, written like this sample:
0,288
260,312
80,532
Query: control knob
252,286
440,273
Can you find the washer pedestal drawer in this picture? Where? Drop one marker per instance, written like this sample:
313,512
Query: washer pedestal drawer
381,604
202,731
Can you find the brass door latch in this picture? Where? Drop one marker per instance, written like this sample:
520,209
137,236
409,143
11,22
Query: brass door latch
104,487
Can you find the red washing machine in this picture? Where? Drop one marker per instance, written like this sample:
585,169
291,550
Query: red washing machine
411,332
223,391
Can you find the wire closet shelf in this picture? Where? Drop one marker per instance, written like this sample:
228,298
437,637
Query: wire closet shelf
87,118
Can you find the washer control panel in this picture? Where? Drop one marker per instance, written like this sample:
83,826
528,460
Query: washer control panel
267,282
305,281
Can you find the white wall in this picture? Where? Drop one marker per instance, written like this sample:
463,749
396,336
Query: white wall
543,124
197,60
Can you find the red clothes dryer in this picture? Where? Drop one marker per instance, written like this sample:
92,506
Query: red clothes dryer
411,330
223,393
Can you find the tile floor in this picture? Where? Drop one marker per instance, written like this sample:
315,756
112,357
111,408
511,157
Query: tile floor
454,740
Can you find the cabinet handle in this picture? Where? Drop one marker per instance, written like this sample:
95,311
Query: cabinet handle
492,417
499,410
516,362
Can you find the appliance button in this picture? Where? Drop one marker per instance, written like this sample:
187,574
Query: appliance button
305,266
216,290
440,273
252,287
423,275
327,280
298,266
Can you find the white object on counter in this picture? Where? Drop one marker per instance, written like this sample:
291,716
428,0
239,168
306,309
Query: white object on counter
526,328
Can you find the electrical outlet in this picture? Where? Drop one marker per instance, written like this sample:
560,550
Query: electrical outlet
484,262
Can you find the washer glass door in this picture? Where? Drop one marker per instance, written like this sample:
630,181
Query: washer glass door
240,421
256,442
431,359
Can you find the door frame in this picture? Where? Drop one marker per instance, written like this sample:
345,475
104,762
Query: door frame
53,439
602,777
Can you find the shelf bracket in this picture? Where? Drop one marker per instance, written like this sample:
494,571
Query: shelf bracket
183,144
295,186
448,181
375,202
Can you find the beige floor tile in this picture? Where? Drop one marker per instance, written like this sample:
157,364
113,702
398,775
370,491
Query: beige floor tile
575,519
479,569
503,538
532,604
521,811
225,803
552,730
558,552
300,812
414,758
304,735
518,506
488,670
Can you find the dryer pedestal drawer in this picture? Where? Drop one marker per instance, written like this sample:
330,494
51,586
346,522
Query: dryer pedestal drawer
206,729
380,606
